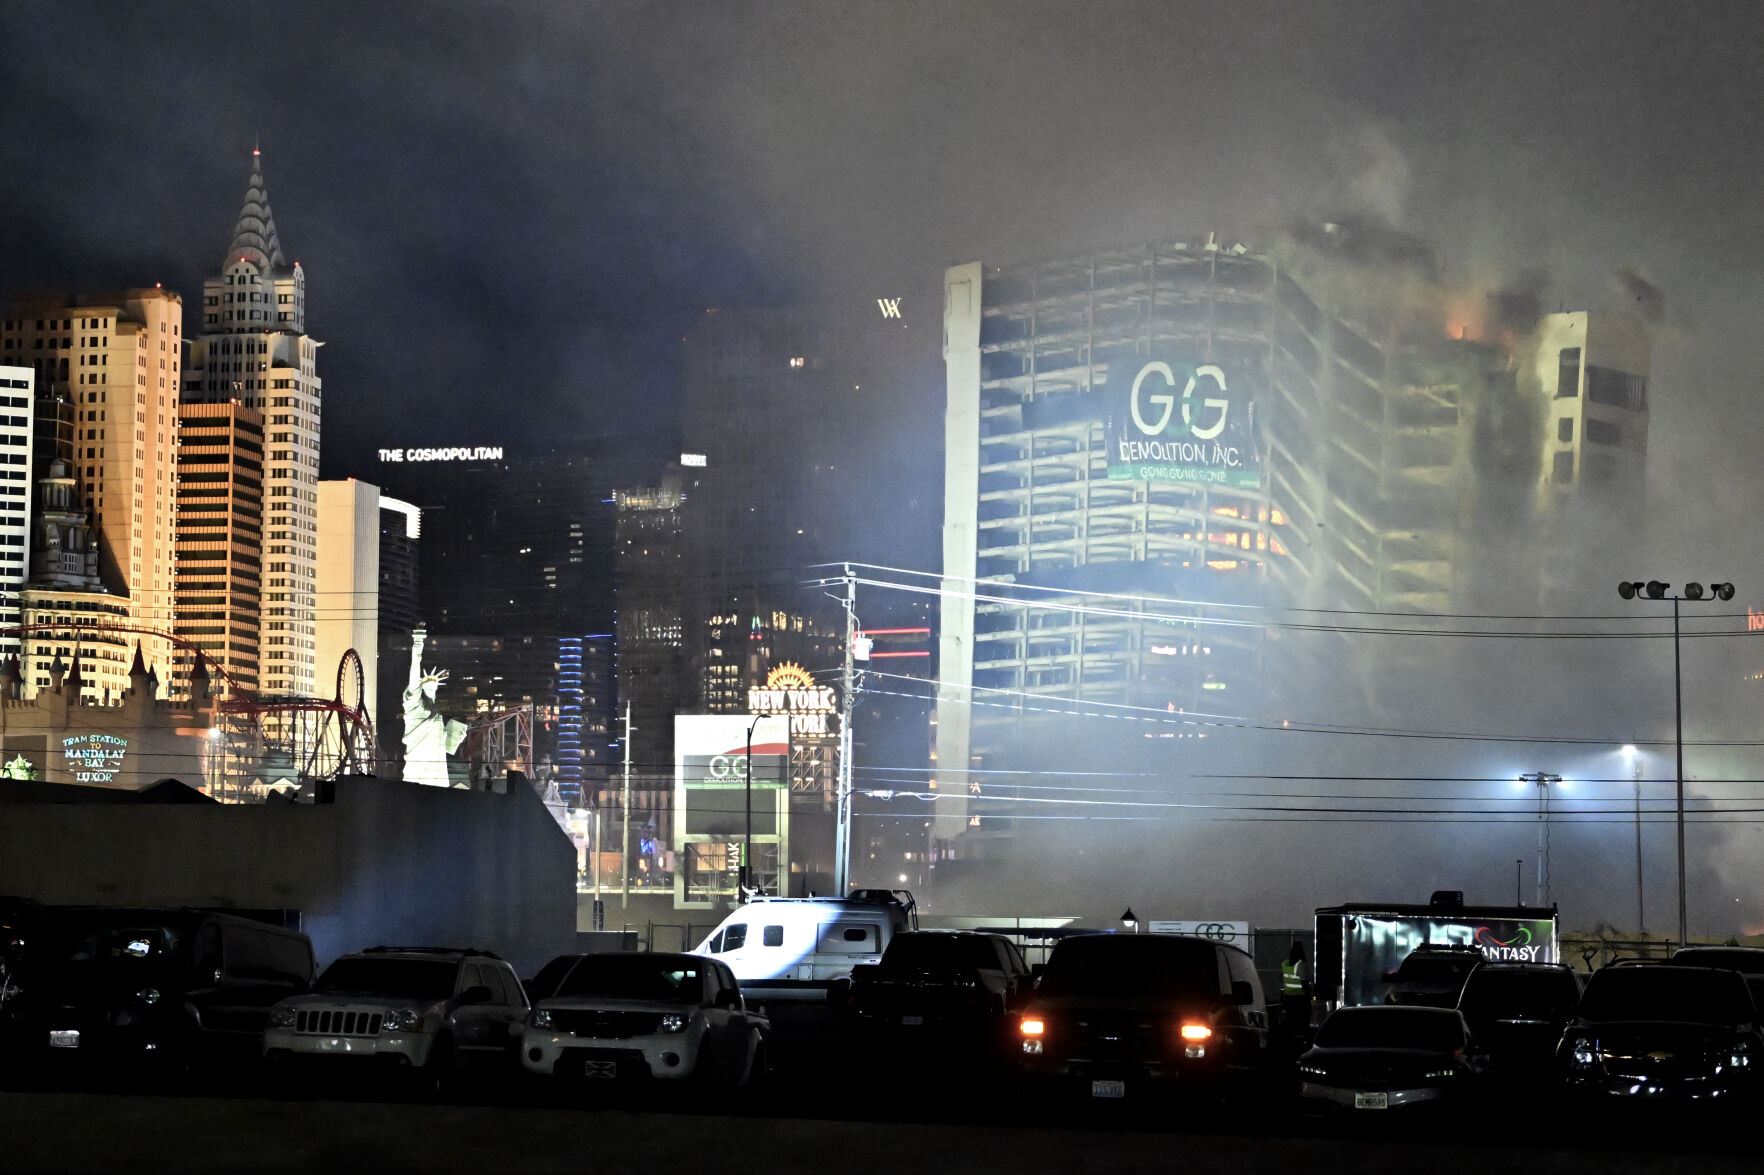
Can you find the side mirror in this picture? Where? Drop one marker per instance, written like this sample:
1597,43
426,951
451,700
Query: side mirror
727,998
1242,992
478,994
1037,971
1389,976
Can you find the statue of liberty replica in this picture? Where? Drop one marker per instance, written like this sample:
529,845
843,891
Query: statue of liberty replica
429,736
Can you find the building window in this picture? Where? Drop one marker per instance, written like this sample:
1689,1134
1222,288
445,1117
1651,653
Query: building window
1565,429
1563,473
1568,374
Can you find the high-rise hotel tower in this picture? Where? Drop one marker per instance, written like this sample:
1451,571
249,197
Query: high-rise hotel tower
254,350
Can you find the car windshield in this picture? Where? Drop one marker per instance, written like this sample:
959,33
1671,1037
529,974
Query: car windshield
114,946
550,975
1392,1028
939,950
416,979
1519,995
668,979
1132,967
1667,993
1436,968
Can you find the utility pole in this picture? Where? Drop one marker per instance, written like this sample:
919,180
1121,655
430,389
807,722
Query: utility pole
842,827
625,823
1543,779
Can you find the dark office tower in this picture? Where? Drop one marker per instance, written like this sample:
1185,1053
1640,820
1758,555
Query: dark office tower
253,348
517,555
650,566
220,540
801,430
400,528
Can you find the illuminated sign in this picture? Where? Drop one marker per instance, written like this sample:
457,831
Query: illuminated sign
790,690
692,460
1223,930
890,307
94,758
1754,621
1180,422
481,453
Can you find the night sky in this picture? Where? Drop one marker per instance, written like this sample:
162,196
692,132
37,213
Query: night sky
510,213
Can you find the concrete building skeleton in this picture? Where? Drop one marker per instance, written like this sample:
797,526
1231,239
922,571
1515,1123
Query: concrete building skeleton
1381,445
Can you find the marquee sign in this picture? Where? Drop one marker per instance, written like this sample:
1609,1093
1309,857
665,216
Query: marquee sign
94,758
791,690
479,453
1180,422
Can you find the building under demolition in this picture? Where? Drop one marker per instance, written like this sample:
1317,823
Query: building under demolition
1141,442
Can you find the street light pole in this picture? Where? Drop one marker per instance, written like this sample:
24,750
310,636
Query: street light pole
1653,589
747,788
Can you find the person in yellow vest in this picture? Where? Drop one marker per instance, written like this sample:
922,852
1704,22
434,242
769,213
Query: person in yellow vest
1295,990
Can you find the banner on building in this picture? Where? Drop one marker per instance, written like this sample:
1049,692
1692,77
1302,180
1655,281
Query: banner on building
718,751
1177,421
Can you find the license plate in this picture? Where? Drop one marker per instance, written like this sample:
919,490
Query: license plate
64,1038
1108,1089
605,1069
1371,1101
912,1019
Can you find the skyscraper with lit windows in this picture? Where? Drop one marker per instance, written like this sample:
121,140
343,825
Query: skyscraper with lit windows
254,349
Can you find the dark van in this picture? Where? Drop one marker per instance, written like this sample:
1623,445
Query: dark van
188,988
1116,1015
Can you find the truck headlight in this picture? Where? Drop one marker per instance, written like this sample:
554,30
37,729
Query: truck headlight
403,1020
281,1017
1581,1054
674,1022
540,1019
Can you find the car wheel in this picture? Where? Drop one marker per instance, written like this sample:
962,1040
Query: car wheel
435,1080
758,1070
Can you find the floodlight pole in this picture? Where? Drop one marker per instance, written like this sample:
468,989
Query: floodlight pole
1655,590
1678,740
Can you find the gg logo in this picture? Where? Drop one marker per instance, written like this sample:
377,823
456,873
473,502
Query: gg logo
1166,401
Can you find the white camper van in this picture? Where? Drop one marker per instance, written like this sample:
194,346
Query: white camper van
805,948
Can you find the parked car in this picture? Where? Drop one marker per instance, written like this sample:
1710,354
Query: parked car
1748,961
176,988
1117,1015
1431,976
1388,1057
941,983
1518,1012
662,1017
803,949
433,1012
1665,1031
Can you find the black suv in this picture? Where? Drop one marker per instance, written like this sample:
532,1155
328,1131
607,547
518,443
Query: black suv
938,982
1117,1014
1748,961
1431,976
1664,1032
104,989
1518,1012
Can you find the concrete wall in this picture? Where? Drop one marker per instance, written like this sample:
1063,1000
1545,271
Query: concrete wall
384,862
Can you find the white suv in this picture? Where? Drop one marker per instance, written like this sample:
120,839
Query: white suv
431,1010
664,1017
